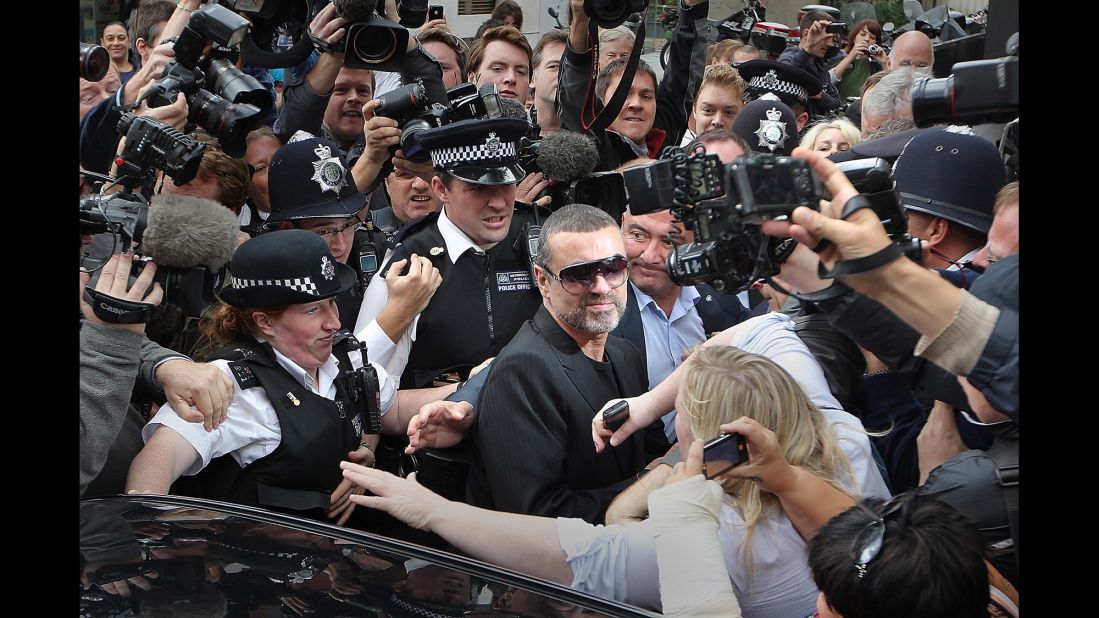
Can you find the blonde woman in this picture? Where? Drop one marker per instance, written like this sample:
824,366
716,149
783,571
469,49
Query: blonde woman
823,454
720,98
831,136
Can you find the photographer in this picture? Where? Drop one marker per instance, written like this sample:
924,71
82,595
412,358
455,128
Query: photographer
809,56
114,360
328,100
981,341
651,117
152,22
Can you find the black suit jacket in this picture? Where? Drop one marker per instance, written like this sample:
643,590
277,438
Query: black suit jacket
718,312
532,444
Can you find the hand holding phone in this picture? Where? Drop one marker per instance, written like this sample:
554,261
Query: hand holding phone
616,415
724,453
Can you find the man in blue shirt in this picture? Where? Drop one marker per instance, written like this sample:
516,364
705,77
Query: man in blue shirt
665,320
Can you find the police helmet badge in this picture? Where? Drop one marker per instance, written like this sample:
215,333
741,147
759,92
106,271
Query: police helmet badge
327,268
772,132
769,81
492,145
328,172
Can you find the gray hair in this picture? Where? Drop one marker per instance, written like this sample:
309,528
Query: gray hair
893,94
572,218
613,34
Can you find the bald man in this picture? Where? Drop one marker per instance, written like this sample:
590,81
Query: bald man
912,49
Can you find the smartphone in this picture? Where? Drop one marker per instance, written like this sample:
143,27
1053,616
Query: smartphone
836,27
724,453
614,416
435,11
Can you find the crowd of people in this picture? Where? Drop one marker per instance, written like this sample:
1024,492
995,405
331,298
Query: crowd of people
428,336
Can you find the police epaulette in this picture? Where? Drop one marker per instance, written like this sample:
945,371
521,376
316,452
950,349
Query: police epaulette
244,375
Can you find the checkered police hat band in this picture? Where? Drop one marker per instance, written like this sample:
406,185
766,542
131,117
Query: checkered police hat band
301,284
481,154
772,84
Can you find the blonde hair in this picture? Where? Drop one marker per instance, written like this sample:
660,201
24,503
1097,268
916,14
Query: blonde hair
722,76
723,51
723,383
847,128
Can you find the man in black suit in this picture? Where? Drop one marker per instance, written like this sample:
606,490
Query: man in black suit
532,446
664,319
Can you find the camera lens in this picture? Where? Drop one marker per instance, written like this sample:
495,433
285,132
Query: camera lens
412,150
372,45
94,62
399,101
236,85
932,101
228,122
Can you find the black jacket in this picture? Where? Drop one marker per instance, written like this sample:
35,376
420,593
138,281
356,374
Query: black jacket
532,441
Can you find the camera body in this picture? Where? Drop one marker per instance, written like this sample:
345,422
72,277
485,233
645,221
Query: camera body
414,112
151,145
730,250
221,99
612,13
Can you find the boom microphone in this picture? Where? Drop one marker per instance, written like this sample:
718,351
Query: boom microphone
510,108
185,232
566,156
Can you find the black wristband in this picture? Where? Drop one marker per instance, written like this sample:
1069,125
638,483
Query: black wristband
858,266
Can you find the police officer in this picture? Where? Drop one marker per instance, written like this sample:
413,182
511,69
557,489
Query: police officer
479,243
303,398
311,188
777,81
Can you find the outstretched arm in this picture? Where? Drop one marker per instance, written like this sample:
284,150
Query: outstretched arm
525,543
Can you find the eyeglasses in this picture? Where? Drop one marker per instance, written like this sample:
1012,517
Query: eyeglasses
328,231
579,278
869,542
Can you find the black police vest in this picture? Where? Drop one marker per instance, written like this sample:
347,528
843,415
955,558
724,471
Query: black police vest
300,475
482,302
366,254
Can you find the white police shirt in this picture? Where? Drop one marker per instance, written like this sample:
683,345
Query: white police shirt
251,429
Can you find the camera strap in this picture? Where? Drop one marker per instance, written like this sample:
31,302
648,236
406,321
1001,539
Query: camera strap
120,311
601,119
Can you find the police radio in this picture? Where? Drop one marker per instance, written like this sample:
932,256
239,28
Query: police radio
365,391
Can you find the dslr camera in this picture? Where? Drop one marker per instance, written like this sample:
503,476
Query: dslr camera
150,145
730,250
414,112
221,99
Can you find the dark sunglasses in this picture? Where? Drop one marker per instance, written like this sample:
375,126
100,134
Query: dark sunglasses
869,542
579,278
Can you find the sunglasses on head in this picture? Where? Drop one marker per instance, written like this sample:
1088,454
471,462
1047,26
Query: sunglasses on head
869,542
579,278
